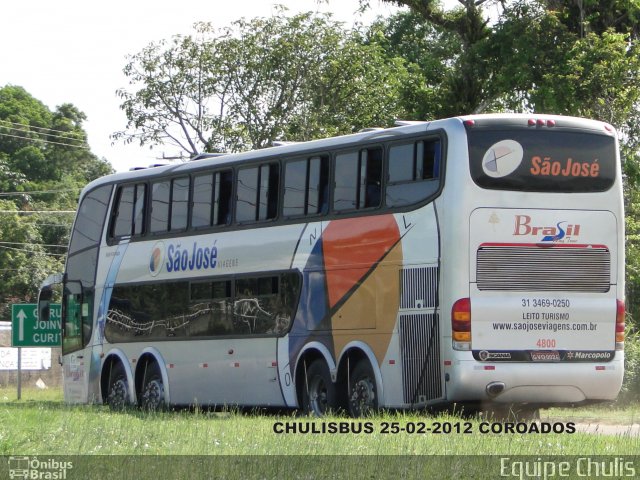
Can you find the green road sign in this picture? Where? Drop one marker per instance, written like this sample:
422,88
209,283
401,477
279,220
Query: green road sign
28,331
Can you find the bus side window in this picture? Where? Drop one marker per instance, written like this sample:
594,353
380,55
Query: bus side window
139,209
201,203
346,181
257,193
295,178
247,192
318,186
306,187
124,212
211,199
427,160
179,203
371,175
223,184
358,179
128,218
160,196
268,193
413,172
256,304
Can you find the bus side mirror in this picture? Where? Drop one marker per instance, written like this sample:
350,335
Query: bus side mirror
45,295
44,303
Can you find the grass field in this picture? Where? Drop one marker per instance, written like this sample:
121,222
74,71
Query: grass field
41,423
243,445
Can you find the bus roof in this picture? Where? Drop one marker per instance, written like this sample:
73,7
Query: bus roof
216,160
203,161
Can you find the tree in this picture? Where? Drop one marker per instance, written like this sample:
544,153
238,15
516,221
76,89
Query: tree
428,52
464,87
261,80
560,56
44,162
21,116
45,145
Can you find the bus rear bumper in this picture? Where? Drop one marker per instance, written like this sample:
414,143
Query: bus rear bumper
553,383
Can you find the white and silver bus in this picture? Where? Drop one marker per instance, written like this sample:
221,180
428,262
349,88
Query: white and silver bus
472,259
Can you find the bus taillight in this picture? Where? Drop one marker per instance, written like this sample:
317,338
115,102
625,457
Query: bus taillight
620,310
461,324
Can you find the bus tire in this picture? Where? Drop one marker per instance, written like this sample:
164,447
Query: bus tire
118,393
318,392
152,393
363,392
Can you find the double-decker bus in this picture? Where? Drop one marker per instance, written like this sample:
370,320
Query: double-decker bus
472,259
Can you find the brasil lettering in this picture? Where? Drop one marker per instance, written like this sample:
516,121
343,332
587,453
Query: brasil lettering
572,168
182,259
551,234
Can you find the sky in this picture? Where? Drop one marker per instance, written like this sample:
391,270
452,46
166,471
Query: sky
73,51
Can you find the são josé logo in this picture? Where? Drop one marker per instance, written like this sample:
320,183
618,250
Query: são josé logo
157,257
179,259
502,158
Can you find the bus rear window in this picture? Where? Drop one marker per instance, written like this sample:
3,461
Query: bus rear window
542,161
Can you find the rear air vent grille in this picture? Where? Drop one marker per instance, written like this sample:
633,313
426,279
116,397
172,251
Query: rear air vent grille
543,268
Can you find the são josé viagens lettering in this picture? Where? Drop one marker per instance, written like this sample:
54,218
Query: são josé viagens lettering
572,168
181,259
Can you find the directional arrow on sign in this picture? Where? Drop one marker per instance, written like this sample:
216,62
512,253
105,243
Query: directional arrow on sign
21,316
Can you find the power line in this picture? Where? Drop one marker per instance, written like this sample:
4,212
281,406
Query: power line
84,147
37,211
52,225
34,251
51,136
28,128
40,244
25,129
33,192
17,269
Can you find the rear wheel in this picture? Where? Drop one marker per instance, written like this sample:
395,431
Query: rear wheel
152,394
363,392
118,393
318,393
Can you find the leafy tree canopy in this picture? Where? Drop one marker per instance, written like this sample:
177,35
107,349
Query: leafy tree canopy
44,163
260,80
547,56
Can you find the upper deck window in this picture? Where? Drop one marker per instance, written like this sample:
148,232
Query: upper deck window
129,211
88,226
414,170
160,198
542,160
306,187
179,203
169,205
212,199
358,179
257,193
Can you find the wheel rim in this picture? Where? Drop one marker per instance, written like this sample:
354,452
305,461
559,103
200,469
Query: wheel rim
153,395
363,396
119,393
318,396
